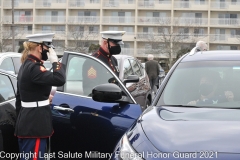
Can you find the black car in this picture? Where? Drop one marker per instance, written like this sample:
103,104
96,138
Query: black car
141,90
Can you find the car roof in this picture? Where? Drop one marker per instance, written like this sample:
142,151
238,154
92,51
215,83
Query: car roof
215,55
10,54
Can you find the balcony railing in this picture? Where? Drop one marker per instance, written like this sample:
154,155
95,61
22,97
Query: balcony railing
50,19
83,19
118,19
156,52
127,51
182,4
83,35
117,3
82,3
18,19
225,21
190,21
18,3
50,3
155,20
219,5
224,38
146,4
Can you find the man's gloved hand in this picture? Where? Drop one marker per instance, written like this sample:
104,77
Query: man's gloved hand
52,56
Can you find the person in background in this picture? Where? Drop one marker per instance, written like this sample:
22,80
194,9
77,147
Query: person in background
152,69
202,46
34,83
110,45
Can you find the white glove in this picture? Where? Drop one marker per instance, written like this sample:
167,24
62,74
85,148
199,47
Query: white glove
52,56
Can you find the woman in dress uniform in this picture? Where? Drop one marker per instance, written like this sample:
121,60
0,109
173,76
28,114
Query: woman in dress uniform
34,121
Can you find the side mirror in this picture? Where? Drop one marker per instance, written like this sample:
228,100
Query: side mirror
106,93
131,79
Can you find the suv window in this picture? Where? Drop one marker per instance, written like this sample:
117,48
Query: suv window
6,91
206,83
136,68
7,65
83,74
127,69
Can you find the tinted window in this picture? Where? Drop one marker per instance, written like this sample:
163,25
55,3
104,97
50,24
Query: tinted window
207,83
17,63
6,91
83,74
127,69
7,65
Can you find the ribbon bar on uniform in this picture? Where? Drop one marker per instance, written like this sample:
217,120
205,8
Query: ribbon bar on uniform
35,104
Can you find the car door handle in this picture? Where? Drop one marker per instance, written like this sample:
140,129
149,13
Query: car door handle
63,109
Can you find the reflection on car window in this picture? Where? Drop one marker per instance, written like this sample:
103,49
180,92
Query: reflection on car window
127,69
7,65
6,91
204,84
135,67
83,74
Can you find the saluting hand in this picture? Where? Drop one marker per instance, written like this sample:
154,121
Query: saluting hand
52,56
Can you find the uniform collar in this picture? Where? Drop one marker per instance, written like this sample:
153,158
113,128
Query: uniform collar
32,57
103,52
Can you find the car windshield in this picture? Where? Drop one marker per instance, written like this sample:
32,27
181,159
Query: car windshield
203,84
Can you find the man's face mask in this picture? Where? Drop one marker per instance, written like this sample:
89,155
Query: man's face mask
205,89
44,54
113,50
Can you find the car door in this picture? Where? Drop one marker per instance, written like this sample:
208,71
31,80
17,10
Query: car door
8,142
83,115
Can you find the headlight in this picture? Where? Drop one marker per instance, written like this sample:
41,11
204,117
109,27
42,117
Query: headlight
127,152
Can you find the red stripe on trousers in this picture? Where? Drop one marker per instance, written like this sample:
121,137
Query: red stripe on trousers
37,146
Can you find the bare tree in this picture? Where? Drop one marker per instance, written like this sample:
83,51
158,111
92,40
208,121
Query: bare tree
6,37
169,39
81,37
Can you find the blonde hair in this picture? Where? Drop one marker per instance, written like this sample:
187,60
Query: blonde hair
28,46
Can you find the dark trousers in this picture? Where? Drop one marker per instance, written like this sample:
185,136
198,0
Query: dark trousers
32,148
153,82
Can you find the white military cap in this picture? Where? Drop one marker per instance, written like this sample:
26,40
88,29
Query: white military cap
43,38
113,36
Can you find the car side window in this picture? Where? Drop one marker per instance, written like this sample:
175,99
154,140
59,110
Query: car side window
17,63
6,91
7,65
83,74
135,67
127,69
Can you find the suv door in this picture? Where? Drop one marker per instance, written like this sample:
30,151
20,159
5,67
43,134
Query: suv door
85,117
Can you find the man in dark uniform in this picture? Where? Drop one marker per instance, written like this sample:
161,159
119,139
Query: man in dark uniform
34,121
110,46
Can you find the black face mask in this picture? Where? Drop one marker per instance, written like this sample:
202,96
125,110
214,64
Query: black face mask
205,89
114,49
44,54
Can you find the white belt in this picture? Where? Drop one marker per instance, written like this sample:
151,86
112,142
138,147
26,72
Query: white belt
35,104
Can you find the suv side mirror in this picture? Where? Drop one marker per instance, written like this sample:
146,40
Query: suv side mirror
130,79
106,93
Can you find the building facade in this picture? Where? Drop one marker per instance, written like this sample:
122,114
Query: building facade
160,27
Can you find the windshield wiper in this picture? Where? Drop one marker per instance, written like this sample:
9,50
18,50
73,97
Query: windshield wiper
180,105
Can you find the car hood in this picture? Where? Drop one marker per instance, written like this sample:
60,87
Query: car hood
182,129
